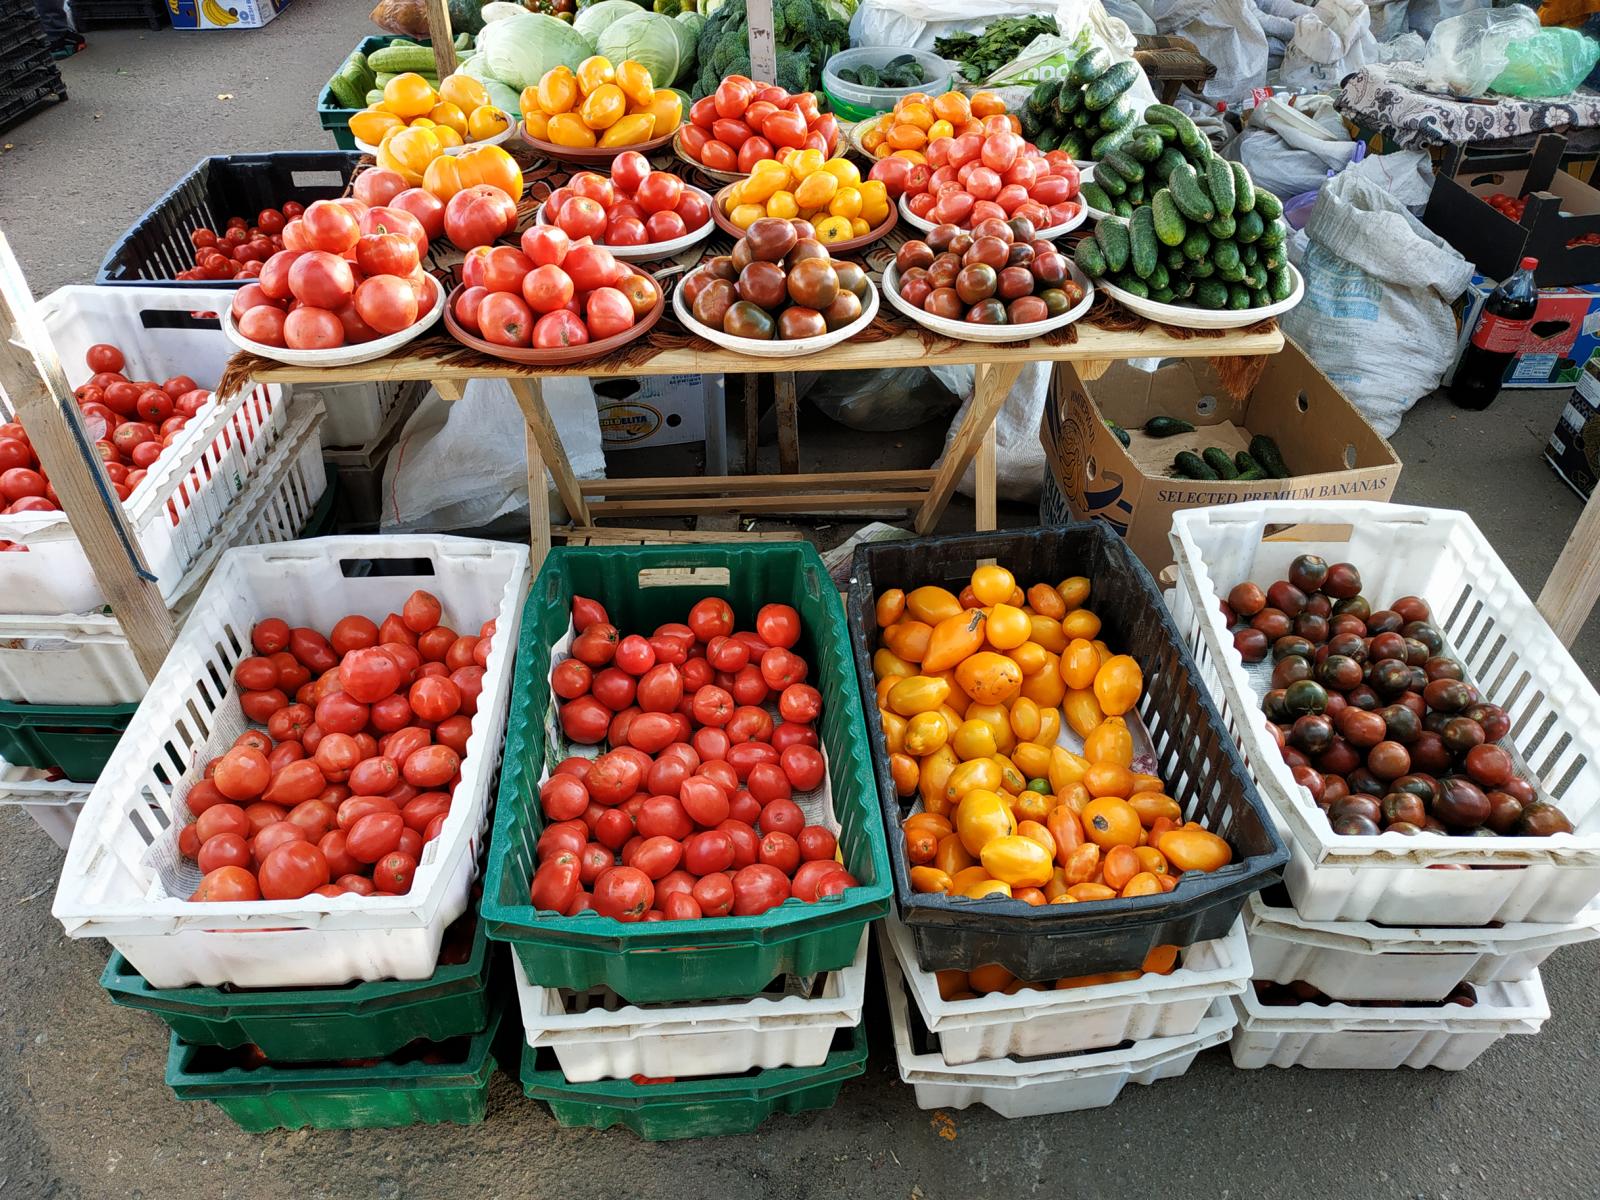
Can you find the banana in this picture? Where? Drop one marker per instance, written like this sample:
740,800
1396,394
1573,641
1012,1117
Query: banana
216,15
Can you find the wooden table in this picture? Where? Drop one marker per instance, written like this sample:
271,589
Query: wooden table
923,492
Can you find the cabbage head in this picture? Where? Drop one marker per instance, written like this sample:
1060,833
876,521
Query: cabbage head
519,50
594,20
654,41
504,97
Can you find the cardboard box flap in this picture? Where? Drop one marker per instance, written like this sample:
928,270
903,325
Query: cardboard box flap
1319,430
1187,388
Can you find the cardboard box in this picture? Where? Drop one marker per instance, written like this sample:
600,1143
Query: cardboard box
1574,446
655,410
1561,208
1565,334
224,14
1325,441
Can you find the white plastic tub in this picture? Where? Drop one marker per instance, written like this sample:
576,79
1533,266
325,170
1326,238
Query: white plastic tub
124,879
1040,1086
1033,1023
84,658
1344,1037
597,1035
176,509
54,804
357,412
1356,960
1506,649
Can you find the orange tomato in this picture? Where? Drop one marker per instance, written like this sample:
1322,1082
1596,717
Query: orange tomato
1046,601
891,606
936,770
1111,743
989,678
1034,831
1161,960
1081,711
557,90
993,585
666,112
903,770
953,638
952,857
1091,891
921,845
370,124
917,694
1111,821
1108,779
634,80
1017,860
952,107
966,877
1044,686
1030,657
1151,860
1195,849
1028,895
951,983
1151,805
930,879
886,662
1007,627
939,824
908,640
1047,632
1083,864
1066,831
1032,807
1079,664
1074,591
991,977
449,174
931,605
1081,623
1117,685
1142,884
987,104
1121,865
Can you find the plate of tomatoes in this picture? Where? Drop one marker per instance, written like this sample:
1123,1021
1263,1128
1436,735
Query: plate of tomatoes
339,354
637,213
589,156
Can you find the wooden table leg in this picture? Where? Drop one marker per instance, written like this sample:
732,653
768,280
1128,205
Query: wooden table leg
449,389
543,431
1570,593
788,411
752,421
538,505
983,478
990,386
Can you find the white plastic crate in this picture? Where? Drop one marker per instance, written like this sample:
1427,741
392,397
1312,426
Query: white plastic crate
357,412
84,658
187,494
1345,1037
1355,960
124,879
598,1041
1506,649
1040,1086
1032,1023
54,804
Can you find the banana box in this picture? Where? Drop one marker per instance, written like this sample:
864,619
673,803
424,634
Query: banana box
224,14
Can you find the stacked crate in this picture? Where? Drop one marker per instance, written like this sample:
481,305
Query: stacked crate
687,1029
1386,951
1032,1010
29,77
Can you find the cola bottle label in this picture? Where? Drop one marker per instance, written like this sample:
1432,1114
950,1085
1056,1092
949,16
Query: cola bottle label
1500,335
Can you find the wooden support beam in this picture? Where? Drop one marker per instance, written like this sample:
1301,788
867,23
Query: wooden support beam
788,411
443,39
1570,593
538,505
984,468
530,398
697,485
803,503
752,423
990,386
594,535
450,389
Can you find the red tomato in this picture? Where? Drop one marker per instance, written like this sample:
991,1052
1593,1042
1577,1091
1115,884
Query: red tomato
386,254
386,303
330,227
310,328
590,267
226,885
711,617
375,776
749,724
780,668
560,328
733,96
477,216
785,129
657,856
817,843
804,766
800,702
664,816
707,852
624,893
782,816
767,783
704,800
596,645
614,777
223,850
264,325
745,843
811,874
711,743
594,187
681,906
504,267
713,706
292,870
545,245
635,655
628,170
582,217
585,720
434,698
242,774
625,231
431,766
570,679
608,312
565,838
505,319
547,288
102,356
395,872
781,851
320,279
555,885
714,894
778,625
614,688
660,688
719,156
758,887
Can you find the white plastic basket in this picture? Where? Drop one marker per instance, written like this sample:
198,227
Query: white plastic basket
1032,1023
1506,649
124,879
357,412
176,509
84,658
1355,960
1344,1037
54,804
1040,1086
598,1041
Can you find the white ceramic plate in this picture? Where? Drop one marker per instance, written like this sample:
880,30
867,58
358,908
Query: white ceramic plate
1205,318
654,250
454,150
339,356
777,349
967,332
1053,231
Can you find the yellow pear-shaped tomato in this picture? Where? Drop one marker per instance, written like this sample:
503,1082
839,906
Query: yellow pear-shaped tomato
917,694
997,719
981,816
1110,743
989,678
1079,664
1186,849
557,90
603,107
1007,627
370,124
1019,861
932,779
634,80
932,604
465,92
568,129
953,638
885,663
595,72
629,130
666,106
1117,685
925,733
1081,711
976,774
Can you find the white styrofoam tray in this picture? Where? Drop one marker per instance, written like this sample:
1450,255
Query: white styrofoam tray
346,355
84,658
1356,960
54,804
719,1037
189,491
1506,649
1032,1023
1192,316
1346,1037
124,879
1065,1083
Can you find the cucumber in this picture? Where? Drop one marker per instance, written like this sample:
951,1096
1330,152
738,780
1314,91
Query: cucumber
1219,181
1135,285
1159,279
1280,284
1190,465
1142,242
1188,134
1217,459
1164,427
397,59
1243,462
1106,87
1108,142
1090,258
1183,289
1190,198
1168,220
1274,234
1175,260
1125,165
1121,115
346,87
1222,225
1163,295
1074,145
1250,226
1204,269
1089,65
1095,196
1255,278
1265,451
1211,294
1248,254
1124,209
1169,161
1047,139
1244,191
1143,148
1238,296
1113,237
1083,120
375,96
1225,255
1268,205
1110,180
1042,96
1161,129
1136,194
1259,298
1118,431
1232,273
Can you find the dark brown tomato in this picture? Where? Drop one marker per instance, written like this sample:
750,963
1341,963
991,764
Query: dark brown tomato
1273,622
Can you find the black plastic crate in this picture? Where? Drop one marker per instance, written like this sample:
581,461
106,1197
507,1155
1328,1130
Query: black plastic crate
20,100
157,246
87,14
1194,753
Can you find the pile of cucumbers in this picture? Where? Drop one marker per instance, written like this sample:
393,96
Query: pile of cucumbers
1190,227
1087,113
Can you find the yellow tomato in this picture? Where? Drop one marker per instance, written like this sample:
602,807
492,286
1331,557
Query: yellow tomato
449,115
409,151
1049,727
984,888
845,171
1081,711
746,215
486,121
666,108
1019,861
782,204
999,722
629,130
974,774
370,124
1024,719
816,190
595,72
1074,591
1186,849
992,585
846,203
557,90
925,733
1066,768
1011,778
409,95
1117,685
805,163
981,816
989,678
974,739
1007,627
537,122
1109,742
634,79
763,183
1081,623
1032,759
933,782
449,137
859,227
603,106
1030,657
932,604
832,230
467,93
1044,687
894,730
917,694
1079,664
885,663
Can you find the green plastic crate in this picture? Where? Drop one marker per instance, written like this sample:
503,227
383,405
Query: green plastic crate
359,1020
76,738
715,957
335,117
715,1106
328,1096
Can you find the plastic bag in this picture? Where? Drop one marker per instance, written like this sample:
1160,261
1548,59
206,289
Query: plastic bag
1465,53
408,18
1424,15
1019,455
1228,32
1290,145
1332,40
879,401
1553,62
1376,317
916,23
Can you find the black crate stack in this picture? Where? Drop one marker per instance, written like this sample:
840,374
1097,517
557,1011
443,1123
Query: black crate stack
29,78
91,14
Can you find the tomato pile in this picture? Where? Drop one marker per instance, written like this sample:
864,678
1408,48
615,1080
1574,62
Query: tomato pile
1376,723
132,422
349,273
779,282
828,192
634,207
998,274
973,691
690,813
1509,206
599,105
354,775
743,122
239,248
972,177
550,293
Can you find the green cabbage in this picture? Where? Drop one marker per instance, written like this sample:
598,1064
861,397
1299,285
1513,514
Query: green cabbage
519,50
597,18
656,42
507,99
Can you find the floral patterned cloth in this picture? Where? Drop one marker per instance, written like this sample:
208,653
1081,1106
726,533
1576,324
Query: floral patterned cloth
1387,98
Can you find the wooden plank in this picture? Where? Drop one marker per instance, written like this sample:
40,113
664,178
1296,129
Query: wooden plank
795,503
1570,593
989,389
984,470
607,536
1091,369
696,485
752,422
531,399
788,410
439,33
450,389
538,504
